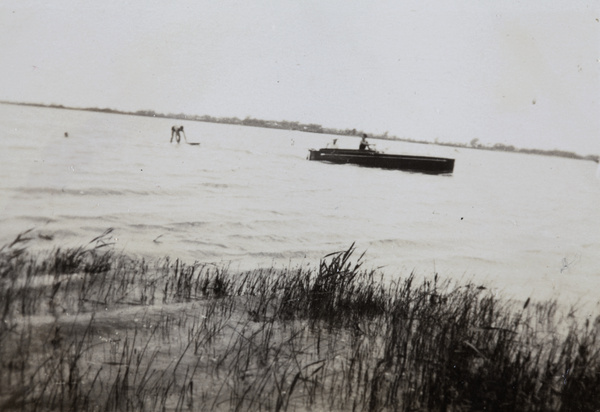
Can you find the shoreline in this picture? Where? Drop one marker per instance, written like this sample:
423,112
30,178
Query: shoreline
315,128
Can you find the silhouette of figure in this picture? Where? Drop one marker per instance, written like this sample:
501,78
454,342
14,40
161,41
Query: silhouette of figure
176,133
364,145
66,134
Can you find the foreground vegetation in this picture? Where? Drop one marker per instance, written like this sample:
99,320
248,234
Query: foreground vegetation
91,329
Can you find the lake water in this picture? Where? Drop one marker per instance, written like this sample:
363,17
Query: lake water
524,225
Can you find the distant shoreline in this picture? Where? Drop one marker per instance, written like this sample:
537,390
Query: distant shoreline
313,128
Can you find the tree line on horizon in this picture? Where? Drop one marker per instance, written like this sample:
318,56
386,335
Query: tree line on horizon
317,128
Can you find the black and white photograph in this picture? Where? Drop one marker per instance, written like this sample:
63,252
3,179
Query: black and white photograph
300,206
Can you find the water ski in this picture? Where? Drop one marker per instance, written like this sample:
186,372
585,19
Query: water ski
186,140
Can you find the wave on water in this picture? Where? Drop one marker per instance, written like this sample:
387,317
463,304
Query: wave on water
220,185
260,237
212,245
93,191
108,220
396,243
148,226
182,225
30,219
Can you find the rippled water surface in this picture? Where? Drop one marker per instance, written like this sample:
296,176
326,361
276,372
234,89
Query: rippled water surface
528,225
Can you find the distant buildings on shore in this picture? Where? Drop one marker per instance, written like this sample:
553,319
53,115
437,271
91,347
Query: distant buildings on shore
317,128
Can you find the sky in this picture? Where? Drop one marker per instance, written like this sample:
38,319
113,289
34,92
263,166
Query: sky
523,73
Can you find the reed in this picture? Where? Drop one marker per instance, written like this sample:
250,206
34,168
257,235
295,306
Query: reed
91,329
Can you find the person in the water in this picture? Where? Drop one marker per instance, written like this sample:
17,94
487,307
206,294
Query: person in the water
176,133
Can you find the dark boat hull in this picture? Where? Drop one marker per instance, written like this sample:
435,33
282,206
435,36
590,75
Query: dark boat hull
370,158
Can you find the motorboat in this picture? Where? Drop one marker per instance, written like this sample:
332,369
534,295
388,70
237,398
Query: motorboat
373,158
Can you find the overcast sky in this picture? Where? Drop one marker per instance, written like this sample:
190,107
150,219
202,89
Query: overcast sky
525,73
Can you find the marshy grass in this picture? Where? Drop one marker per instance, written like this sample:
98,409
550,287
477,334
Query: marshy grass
91,329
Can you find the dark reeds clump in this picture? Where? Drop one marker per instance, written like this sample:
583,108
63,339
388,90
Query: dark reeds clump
90,329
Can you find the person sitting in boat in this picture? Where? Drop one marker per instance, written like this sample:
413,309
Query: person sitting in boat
364,145
176,133
333,145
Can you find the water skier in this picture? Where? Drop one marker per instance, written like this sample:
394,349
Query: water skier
176,133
